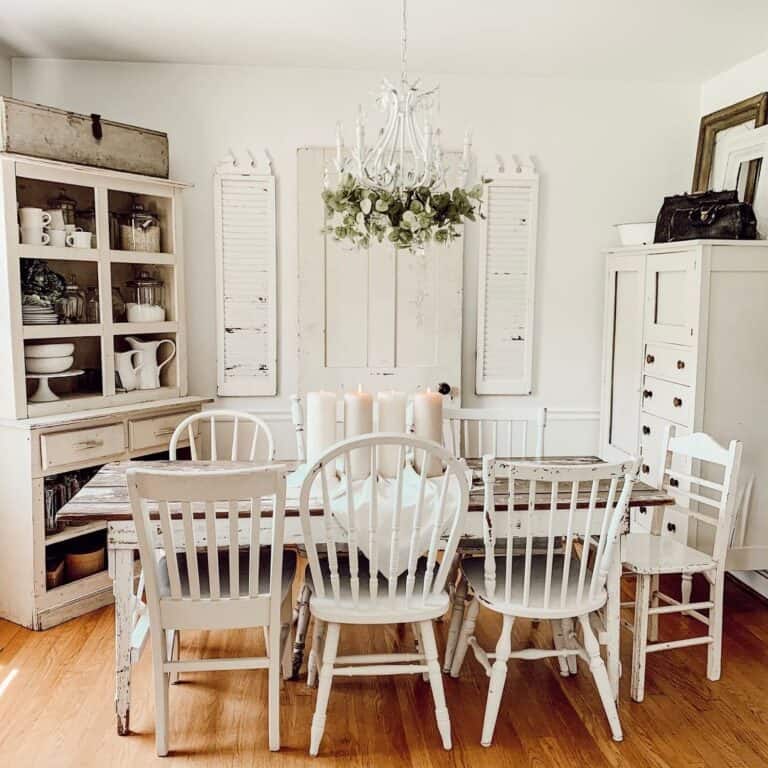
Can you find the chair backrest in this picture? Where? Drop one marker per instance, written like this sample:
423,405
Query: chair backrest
244,442
588,502
408,513
706,489
475,432
178,512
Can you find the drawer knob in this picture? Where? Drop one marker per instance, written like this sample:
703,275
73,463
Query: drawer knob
674,482
647,393
680,365
677,402
646,469
643,510
671,527
646,429
650,359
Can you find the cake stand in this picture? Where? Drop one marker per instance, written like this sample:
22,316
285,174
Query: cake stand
43,393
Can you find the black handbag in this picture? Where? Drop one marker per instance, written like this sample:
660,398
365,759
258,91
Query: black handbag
705,215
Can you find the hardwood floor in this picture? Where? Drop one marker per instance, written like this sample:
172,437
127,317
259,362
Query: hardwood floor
56,705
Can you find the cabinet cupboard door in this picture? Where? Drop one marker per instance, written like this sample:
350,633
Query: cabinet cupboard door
672,295
623,357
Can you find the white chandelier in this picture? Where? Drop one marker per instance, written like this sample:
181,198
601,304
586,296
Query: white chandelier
407,153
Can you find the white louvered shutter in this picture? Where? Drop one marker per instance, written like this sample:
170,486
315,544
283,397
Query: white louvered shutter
246,254
507,268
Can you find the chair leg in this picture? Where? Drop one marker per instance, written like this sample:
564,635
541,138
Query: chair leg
274,687
457,614
640,636
436,681
686,587
162,684
558,640
315,652
416,629
173,640
569,635
715,648
600,674
324,689
653,619
302,624
498,678
467,630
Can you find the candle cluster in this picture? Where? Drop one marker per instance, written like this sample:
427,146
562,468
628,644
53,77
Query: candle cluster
391,417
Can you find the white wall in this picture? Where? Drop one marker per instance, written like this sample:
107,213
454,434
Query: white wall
746,79
5,74
607,152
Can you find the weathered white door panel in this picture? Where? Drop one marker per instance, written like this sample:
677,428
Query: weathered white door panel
382,318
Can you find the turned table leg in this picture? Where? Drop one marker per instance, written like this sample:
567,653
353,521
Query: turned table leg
302,623
123,575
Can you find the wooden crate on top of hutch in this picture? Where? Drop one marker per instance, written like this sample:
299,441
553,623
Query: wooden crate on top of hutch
684,344
52,443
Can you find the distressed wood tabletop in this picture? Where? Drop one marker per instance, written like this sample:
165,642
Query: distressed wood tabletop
105,497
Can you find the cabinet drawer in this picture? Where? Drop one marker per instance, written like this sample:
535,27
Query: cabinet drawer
675,524
669,363
652,431
667,400
156,432
60,449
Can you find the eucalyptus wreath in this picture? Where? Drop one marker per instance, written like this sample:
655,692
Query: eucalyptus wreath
408,218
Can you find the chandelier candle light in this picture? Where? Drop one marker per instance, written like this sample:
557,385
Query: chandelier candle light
397,188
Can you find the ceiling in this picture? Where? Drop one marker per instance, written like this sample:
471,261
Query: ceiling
613,39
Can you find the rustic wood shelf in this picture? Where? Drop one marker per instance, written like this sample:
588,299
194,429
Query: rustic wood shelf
73,532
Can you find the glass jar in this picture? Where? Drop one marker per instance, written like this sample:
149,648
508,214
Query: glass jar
92,305
67,205
139,230
118,306
71,306
145,302
86,220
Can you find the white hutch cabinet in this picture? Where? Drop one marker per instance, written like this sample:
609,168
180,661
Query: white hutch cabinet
686,343
46,445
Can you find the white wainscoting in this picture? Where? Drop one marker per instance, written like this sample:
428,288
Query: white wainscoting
569,431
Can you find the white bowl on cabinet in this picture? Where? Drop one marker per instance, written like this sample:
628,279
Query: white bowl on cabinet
48,364
63,349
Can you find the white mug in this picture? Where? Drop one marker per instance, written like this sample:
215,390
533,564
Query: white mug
34,217
57,218
79,239
34,236
58,237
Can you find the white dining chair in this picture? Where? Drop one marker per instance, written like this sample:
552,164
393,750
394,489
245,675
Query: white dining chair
514,580
705,495
193,584
470,433
379,564
248,432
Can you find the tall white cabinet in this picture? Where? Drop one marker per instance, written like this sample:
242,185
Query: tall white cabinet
686,343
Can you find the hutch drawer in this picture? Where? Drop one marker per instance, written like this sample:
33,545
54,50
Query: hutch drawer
96,444
667,400
156,432
672,363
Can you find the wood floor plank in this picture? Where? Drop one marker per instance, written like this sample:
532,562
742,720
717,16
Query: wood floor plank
58,710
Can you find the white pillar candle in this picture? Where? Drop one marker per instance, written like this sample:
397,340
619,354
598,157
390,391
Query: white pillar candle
428,425
321,424
358,420
391,419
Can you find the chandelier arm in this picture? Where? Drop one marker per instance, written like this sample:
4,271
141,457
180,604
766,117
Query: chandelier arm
374,161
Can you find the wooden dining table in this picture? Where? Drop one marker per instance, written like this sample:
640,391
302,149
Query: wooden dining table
105,499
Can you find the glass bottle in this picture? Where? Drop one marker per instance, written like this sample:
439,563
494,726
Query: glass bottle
71,306
91,305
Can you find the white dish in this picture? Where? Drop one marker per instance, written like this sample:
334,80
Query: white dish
49,350
637,233
48,364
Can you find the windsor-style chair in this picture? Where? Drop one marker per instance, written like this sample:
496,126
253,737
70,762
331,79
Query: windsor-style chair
519,581
244,444
711,505
471,433
196,585
381,565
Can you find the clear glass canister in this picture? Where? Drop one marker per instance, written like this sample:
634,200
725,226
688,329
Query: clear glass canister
139,230
145,303
67,205
71,306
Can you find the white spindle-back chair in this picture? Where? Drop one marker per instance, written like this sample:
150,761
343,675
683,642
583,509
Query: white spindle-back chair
244,444
711,505
198,585
518,579
349,588
470,433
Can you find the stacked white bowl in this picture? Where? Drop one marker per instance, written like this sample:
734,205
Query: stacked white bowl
49,358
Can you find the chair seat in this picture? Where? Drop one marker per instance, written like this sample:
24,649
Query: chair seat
536,608
380,610
289,571
650,554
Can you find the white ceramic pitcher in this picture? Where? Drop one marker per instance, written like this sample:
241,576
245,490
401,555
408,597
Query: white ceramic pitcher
126,369
149,375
